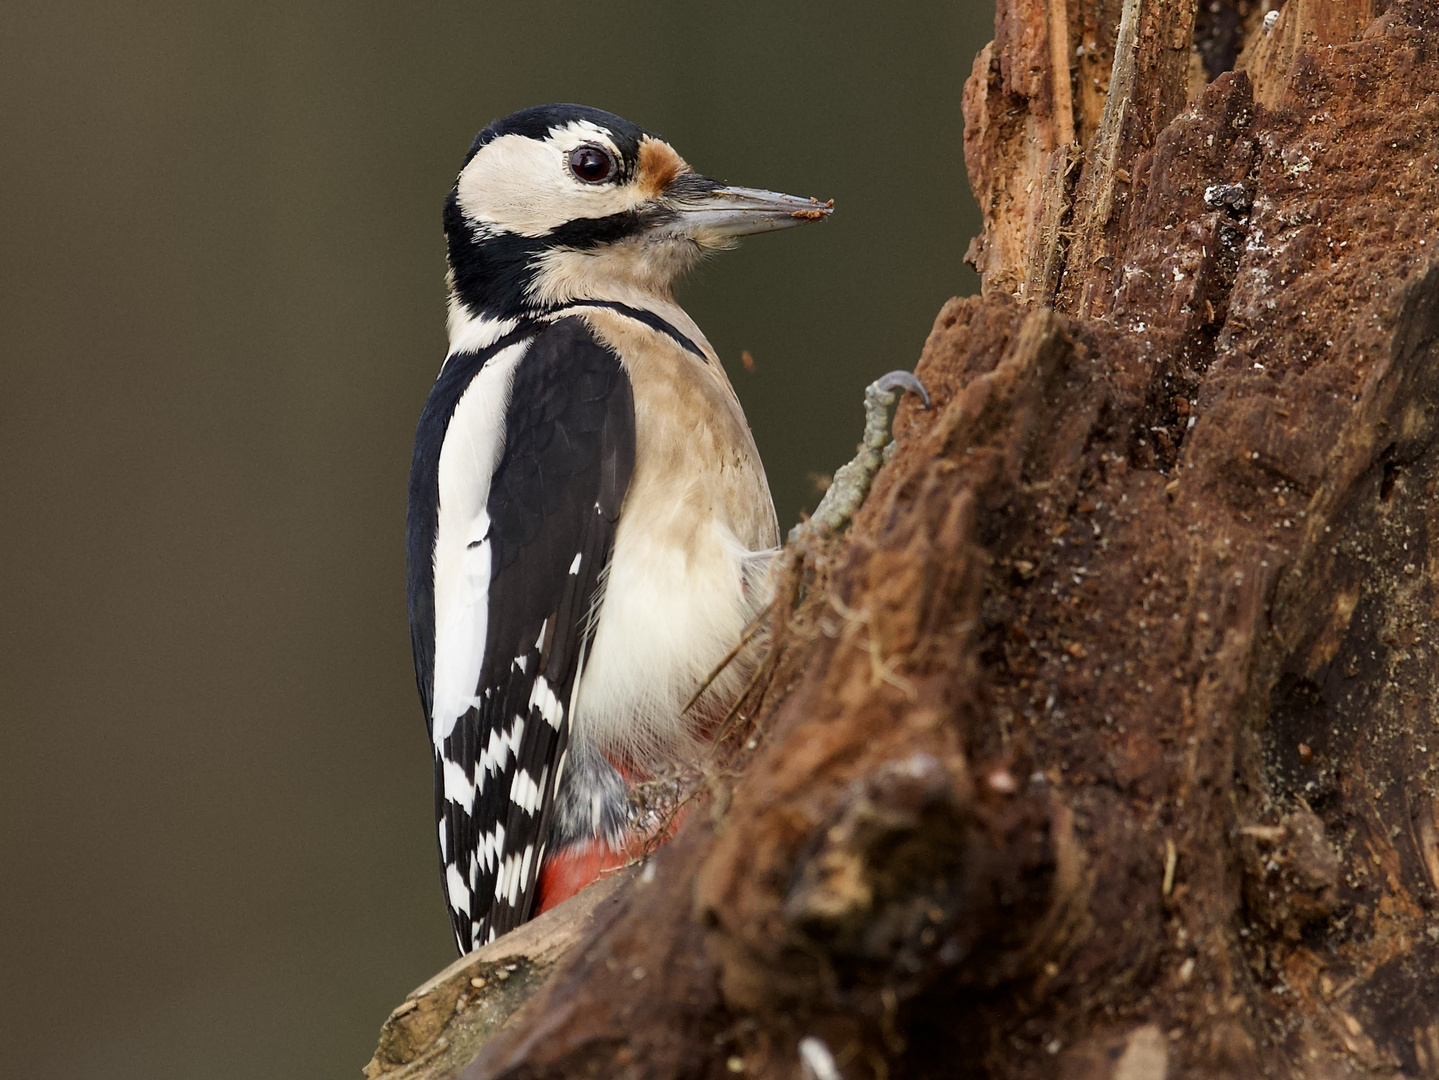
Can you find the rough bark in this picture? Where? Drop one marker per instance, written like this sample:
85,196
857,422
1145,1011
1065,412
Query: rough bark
1104,745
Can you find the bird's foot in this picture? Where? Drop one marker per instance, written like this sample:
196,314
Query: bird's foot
851,483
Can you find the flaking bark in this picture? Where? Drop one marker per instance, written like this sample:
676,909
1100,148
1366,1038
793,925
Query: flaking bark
1104,744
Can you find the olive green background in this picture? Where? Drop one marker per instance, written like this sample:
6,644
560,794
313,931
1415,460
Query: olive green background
221,307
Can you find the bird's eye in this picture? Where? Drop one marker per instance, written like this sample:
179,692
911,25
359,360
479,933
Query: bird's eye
592,164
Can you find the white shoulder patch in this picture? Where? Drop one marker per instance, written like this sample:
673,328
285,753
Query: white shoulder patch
469,455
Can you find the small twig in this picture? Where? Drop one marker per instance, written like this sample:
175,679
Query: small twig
724,726
750,631
881,670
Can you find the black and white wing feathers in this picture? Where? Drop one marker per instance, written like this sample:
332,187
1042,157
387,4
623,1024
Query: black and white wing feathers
549,523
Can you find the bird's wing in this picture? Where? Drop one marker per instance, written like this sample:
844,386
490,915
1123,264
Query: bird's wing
513,609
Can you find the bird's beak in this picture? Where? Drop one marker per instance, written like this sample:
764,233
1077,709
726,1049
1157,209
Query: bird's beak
714,214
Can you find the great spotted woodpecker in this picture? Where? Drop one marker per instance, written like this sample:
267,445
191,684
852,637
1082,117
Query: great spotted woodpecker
589,522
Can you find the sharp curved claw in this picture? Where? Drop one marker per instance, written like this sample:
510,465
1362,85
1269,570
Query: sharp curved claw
904,380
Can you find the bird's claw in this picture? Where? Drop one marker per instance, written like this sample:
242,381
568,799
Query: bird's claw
902,380
851,483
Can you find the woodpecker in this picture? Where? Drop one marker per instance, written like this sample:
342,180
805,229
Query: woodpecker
589,522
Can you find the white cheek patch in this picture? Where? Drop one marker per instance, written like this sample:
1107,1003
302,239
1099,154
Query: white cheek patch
524,186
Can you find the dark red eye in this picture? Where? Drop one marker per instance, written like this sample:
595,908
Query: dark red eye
592,164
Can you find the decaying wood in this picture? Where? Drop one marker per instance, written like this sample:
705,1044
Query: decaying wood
1106,743
440,1027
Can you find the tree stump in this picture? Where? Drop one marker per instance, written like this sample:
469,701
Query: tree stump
1104,744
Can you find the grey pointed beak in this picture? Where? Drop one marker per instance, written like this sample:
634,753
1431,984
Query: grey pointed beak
712,214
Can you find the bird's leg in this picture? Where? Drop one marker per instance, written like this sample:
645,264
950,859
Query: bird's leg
852,481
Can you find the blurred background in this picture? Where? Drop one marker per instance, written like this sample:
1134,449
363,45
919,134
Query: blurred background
221,307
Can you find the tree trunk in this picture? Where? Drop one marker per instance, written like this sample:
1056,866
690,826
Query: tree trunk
1104,745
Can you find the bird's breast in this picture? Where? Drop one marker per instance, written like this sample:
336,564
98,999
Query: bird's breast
687,573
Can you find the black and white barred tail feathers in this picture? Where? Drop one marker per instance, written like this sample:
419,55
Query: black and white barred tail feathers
561,466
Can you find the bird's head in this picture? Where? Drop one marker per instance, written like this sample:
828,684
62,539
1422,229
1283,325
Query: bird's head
563,202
